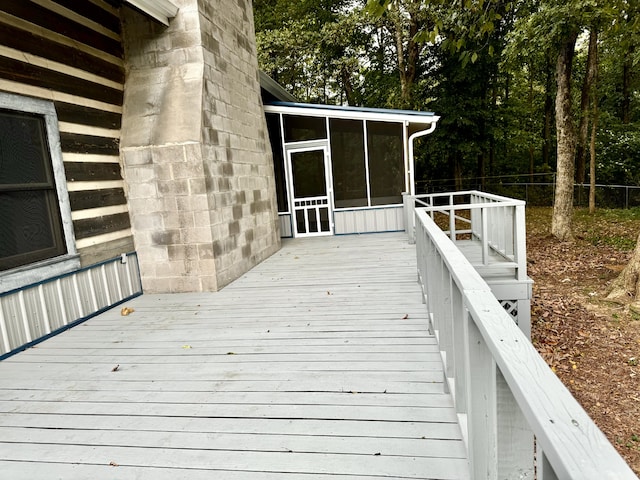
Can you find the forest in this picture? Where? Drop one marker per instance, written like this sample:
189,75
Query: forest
525,89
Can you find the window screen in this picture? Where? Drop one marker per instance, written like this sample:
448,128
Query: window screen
30,225
386,162
348,163
275,137
299,129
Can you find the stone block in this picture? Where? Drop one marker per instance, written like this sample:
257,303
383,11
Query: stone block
136,157
149,221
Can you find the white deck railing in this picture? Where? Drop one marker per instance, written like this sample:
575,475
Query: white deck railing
497,223
504,392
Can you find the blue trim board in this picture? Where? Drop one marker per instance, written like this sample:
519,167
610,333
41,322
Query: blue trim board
66,327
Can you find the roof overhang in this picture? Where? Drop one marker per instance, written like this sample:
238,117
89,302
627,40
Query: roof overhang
274,88
161,10
356,113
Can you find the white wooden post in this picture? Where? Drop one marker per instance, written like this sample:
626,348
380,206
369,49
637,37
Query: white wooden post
446,327
452,225
544,469
520,243
484,212
515,438
482,415
460,340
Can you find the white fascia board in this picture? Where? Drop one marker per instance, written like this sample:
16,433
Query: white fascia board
161,10
354,115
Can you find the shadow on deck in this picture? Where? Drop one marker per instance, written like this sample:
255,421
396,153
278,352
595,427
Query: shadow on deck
316,364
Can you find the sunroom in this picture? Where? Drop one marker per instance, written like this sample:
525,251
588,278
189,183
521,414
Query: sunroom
342,170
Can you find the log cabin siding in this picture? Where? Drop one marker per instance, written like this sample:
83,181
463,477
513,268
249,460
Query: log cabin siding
70,53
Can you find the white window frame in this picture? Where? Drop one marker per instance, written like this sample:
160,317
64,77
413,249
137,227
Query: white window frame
36,272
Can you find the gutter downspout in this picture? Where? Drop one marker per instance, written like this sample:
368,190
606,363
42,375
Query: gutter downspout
412,137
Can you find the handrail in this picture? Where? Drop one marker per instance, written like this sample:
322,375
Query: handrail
503,390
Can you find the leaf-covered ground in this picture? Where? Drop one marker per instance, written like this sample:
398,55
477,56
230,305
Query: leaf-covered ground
592,344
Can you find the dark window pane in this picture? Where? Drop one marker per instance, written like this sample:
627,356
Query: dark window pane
23,149
348,165
300,223
28,232
299,129
308,174
386,162
324,220
275,137
313,221
30,223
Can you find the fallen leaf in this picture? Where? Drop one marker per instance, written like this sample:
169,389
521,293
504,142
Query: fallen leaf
126,311
113,464
406,315
186,347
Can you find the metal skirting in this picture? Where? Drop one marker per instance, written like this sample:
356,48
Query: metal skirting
31,314
364,220
369,220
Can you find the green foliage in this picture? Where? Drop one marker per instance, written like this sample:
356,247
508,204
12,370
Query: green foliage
486,66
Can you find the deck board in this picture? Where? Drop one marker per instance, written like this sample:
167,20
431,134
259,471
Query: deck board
316,364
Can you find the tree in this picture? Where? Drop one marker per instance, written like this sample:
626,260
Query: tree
312,47
627,285
566,143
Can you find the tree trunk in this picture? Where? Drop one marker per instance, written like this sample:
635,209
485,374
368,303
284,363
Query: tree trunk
531,110
587,91
626,85
563,204
408,53
592,145
627,284
592,155
548,115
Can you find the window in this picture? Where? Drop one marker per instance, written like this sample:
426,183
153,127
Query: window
386,162
348,163
30,224
36,231
300,128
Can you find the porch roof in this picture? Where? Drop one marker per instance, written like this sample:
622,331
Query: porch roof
365,113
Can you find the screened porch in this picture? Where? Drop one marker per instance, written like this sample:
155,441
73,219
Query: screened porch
342,170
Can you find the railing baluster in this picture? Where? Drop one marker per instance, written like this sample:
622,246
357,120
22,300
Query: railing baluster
544,470
515,438
460,339
520,243
482,414
484,213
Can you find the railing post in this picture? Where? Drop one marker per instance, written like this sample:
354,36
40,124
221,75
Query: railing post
520,243
515,438
482,406
544,469
485,234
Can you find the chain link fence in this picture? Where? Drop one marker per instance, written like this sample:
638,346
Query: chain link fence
540,191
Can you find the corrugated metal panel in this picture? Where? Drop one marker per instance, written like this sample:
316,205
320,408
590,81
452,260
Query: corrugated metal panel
39,310
373,220
285,226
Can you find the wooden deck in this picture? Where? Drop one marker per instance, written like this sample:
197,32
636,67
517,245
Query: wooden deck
317,364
